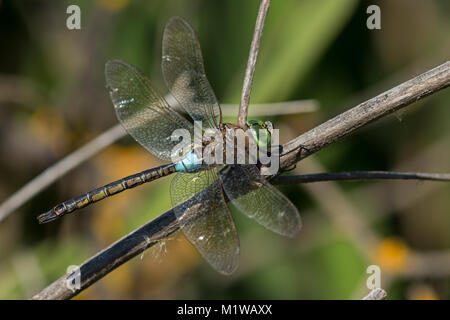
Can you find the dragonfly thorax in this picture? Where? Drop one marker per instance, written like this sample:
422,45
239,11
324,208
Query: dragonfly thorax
230,144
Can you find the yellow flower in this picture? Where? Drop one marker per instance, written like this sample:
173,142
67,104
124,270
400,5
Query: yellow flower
392,255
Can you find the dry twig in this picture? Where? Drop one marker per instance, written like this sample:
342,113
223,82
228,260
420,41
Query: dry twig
251,64
360,175
365,113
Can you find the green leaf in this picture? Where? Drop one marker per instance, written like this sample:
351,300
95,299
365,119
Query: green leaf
292,43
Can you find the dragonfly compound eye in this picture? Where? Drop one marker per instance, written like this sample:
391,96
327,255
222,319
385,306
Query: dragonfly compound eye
261,131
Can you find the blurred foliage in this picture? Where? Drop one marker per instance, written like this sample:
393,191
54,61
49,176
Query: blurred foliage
53,100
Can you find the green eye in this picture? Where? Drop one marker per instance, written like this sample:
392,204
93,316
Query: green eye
252,123
256,127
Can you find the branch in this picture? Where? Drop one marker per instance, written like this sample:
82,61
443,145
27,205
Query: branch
365,113
115,255
360,175
251,64
340,126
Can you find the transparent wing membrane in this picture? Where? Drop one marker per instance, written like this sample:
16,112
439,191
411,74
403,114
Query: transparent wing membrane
205,219
259,200
141,109
197,197
183,71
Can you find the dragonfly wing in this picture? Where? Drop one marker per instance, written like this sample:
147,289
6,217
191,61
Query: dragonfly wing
259,200
205,219
183,71
141,109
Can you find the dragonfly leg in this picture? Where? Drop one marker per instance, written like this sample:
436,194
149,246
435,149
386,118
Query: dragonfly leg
300,147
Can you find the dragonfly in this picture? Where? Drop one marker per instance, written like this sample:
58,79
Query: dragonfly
199,191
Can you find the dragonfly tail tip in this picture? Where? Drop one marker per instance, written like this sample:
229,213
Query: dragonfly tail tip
47,217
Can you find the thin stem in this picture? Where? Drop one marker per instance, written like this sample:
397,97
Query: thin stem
56,171
147,235
360,175
251,64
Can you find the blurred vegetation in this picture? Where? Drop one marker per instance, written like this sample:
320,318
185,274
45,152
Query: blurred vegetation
53,100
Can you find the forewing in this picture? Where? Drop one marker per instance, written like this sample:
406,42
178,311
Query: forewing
205,219
183,71
141,109
259,200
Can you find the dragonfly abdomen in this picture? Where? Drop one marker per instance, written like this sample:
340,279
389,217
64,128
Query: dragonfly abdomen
106,191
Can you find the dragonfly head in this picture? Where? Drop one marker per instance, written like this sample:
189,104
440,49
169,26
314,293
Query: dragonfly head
258,126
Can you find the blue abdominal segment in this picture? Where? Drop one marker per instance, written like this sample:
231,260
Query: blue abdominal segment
190,163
